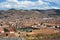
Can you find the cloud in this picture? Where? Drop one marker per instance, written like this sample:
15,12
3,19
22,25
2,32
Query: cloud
26,4
56,1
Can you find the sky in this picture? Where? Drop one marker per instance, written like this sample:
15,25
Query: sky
29,4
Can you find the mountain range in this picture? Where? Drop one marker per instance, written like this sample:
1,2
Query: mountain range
27,14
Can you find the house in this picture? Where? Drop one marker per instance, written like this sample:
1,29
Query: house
7,32
52,25
1,30
11,30
12,24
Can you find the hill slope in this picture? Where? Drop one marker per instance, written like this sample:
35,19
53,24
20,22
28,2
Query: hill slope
27,14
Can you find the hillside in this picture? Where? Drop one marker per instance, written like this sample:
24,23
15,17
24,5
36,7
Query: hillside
28,14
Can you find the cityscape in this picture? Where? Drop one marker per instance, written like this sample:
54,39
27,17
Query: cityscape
29,19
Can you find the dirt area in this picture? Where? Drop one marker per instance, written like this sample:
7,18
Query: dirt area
44,34
44,31
52,39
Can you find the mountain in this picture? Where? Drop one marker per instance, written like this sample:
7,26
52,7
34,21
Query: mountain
50,12
27,14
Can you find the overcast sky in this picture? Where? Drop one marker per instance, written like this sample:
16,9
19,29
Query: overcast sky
29,4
